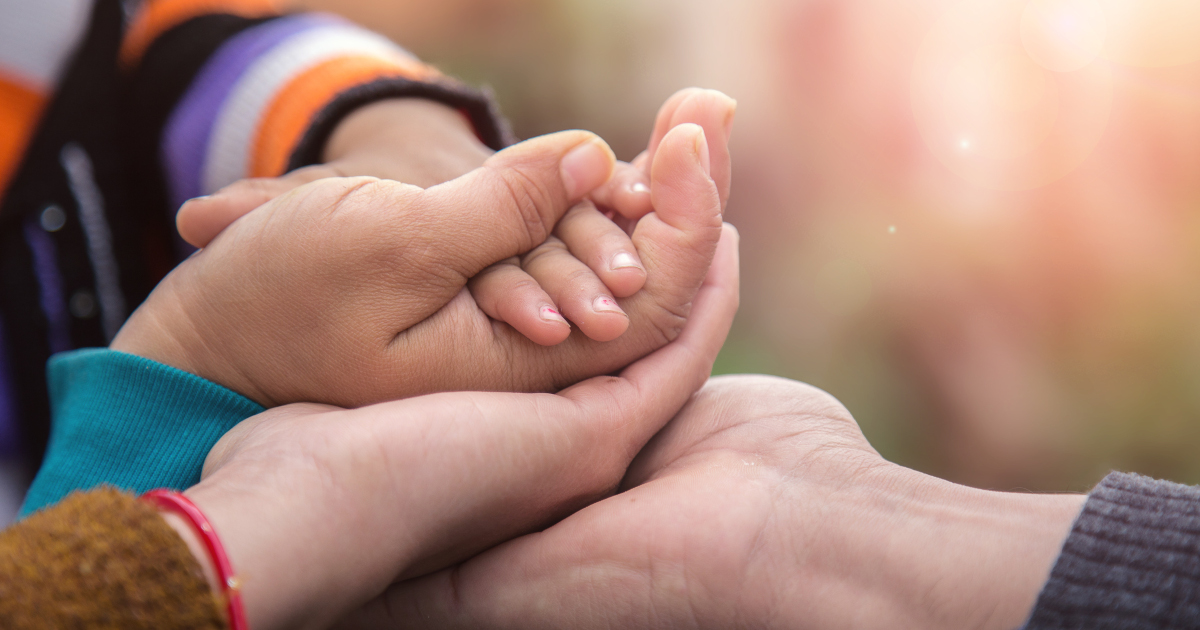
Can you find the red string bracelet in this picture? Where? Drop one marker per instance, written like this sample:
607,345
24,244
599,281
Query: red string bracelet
231,586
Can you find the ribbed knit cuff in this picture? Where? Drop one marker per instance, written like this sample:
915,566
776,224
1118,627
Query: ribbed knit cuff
1132,560
479,106
130,422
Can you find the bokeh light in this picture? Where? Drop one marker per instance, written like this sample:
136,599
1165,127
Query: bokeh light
1012,97
976,231
1063,35
1152,33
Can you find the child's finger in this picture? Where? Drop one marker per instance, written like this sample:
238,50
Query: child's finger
508,294
628,192
604,247
200,220
581,295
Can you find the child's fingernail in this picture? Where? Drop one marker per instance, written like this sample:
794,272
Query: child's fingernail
640,188
550,314
586,167
605,304
624,260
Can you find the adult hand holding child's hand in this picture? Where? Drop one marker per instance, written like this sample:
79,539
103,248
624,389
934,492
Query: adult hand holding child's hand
351,291
322,509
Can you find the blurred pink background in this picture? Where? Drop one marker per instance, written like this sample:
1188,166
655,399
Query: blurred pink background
975,222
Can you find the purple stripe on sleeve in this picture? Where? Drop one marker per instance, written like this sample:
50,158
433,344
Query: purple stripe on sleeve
50,284
10,444
186,134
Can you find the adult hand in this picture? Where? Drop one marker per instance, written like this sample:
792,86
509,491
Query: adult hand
587,261
321,509
374,273
759,505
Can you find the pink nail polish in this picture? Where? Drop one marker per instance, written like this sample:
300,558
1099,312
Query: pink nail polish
551,315
605,304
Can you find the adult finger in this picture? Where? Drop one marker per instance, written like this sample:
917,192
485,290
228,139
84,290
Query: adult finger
510,204
714,112
696,347
710,109
677,240
491,590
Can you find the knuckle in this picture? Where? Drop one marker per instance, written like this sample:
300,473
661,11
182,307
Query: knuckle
548,251
524,284
580,278
532,200
668,319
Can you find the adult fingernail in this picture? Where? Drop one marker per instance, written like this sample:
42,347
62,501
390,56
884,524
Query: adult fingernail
624,260
605,304
586,167
730,111
551,314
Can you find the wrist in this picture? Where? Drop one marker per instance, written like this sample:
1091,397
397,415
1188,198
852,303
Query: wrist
302,563
267,592
950,556
167,329
196,546
412,140
223,582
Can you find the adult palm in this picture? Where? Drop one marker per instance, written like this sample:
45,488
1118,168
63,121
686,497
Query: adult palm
760,505
322,508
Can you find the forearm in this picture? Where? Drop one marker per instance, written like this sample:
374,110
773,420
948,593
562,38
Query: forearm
980,557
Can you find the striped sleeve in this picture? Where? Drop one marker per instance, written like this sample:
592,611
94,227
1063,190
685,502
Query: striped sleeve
268,96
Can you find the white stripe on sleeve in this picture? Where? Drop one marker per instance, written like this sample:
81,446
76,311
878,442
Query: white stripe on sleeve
232,140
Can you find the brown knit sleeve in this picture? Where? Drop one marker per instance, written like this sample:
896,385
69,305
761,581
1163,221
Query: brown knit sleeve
101,559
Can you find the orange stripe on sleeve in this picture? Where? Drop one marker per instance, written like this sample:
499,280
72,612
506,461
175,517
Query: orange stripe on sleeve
20,108
290,113
159,16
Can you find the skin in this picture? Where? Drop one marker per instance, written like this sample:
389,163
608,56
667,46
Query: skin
387,294
578,271
320,509
760,505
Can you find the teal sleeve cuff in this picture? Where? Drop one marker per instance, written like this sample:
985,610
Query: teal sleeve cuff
130,422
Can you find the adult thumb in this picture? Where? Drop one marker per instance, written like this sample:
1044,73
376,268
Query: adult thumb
510,205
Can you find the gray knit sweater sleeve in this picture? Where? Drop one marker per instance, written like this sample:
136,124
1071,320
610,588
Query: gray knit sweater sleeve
1132,560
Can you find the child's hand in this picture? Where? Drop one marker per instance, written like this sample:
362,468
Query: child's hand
424,143
321,296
